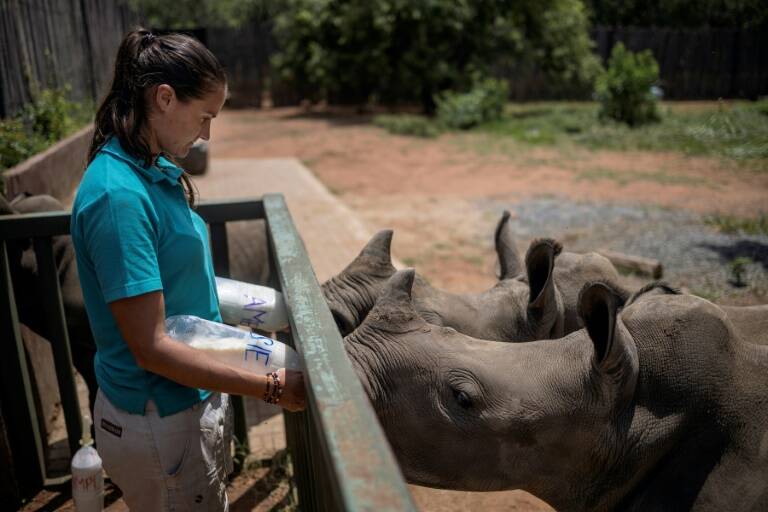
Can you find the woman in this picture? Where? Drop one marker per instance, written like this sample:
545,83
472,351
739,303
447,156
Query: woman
162,416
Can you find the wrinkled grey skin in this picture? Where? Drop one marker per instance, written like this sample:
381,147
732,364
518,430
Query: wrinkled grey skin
572,271
658,407
512,310
26,286
532,300
749,322
248,253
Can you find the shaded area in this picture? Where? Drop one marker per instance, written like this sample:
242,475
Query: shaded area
755,251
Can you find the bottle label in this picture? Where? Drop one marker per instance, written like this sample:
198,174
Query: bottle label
259,349
253,314
86,483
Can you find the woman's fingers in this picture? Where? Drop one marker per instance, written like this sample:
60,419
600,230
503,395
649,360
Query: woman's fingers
293,397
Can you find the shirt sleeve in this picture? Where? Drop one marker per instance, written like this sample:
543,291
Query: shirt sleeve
120,238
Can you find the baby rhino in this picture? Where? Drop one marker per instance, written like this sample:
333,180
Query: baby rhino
532,300
659,406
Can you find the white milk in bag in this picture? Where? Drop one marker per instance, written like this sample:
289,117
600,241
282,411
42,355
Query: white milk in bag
231,345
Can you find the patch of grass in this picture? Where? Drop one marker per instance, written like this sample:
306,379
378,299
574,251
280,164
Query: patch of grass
408,124
622,178
736,131
733,224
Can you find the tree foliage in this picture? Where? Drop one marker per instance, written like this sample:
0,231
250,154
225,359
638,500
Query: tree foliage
186,14
624,88
402,50
679,13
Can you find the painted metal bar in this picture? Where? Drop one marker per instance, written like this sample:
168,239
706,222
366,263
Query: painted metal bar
363,472
226,210
37,224
16,391
56,334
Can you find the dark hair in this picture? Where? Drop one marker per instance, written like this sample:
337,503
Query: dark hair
145,60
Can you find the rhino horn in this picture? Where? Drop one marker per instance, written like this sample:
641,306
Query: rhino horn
375,257
615,352
394,311
379,246
506,250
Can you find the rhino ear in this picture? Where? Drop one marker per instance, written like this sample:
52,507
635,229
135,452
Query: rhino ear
544,308
394,311
506,250
615,351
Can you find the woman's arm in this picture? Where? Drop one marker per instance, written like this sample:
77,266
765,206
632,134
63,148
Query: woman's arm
141,320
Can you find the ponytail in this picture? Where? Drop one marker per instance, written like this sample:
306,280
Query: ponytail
145,60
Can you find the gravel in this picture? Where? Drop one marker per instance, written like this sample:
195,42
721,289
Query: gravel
694,254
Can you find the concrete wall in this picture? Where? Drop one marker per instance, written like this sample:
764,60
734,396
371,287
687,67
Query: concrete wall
56,171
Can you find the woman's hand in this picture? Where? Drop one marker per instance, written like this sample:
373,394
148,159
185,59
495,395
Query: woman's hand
293,398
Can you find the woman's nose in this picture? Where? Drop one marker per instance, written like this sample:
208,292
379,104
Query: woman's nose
205,134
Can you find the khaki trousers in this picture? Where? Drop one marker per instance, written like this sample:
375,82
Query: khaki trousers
174,463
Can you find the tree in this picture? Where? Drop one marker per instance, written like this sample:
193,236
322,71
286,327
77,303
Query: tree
186,14
679,13
403,50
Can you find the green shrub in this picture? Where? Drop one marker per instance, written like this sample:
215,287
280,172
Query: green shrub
16,143
390,51
41,123
48,115
762,106
624,89
484,102
407,124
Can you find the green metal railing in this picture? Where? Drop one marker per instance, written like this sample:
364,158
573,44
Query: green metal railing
341,458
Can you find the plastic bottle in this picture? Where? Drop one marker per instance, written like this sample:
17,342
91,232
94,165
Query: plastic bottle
87,480
231,345
251,305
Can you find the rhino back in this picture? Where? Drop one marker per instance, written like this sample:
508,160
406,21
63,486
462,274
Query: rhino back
572,272
750,322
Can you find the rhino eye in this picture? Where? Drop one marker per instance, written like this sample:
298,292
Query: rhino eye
462,398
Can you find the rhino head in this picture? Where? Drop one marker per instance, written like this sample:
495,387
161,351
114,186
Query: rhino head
579,422
469,414
523,307
352,293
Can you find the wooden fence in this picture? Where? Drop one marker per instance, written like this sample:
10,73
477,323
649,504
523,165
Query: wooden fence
52,43
57,43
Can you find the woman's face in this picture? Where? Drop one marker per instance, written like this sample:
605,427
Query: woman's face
175,125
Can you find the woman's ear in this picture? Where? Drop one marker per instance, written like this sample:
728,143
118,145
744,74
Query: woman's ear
164,97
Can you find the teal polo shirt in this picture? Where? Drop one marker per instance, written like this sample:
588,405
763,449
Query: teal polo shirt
134,233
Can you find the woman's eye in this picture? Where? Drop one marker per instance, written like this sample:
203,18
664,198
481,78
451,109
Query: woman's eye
463,399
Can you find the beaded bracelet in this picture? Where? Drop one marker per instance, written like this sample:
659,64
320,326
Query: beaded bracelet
273,393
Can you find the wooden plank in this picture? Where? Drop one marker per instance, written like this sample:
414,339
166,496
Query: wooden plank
364,474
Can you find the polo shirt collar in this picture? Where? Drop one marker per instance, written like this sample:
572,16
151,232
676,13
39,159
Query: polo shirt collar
162,169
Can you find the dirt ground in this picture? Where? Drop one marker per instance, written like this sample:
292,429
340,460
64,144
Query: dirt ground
432,193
